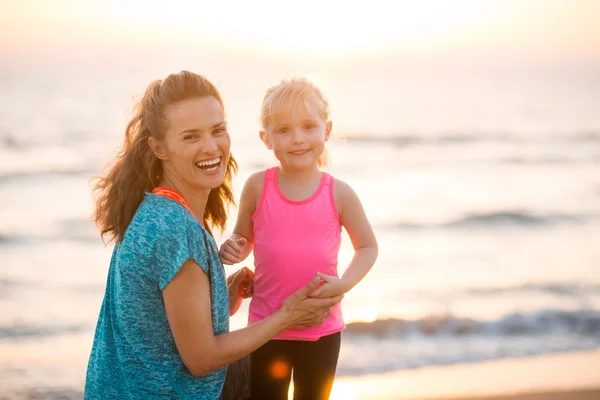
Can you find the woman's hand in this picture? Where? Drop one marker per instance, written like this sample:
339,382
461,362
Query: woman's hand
234,250
304,311
331,286
240,286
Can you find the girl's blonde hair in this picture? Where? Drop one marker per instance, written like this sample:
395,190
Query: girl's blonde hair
280,99
137,170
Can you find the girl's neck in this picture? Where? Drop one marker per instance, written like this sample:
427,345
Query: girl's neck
299,175
195,198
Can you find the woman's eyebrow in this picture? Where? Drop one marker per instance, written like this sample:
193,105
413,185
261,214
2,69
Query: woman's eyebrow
196,130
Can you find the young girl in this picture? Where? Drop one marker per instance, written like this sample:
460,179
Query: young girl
292,215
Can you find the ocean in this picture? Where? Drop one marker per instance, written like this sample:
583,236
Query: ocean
483,189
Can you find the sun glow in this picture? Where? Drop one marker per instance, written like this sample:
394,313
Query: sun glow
344,390
308,26
312,26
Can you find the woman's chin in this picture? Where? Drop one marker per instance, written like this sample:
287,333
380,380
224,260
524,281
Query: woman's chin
209,181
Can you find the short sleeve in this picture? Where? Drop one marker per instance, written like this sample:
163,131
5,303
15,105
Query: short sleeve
174,247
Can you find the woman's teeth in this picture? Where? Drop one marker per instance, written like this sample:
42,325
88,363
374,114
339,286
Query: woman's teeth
209,165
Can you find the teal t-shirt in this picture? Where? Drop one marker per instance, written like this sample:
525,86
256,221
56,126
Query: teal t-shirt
134,354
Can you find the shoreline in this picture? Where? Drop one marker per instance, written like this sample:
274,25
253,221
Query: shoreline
537,377
562,376
583,394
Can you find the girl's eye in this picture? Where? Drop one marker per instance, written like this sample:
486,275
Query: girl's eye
309,126
283,130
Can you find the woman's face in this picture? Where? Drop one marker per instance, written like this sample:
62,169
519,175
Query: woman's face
195,148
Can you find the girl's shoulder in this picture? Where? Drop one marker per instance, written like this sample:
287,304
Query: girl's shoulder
340,188
342,192
257,179
254,184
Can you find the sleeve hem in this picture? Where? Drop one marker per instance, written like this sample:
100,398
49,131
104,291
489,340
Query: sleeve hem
174,272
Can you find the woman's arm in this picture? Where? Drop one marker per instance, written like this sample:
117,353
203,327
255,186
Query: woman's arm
354,220
188,307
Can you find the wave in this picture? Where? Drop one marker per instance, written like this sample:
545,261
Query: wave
518,160
73,229
514,218
584,322
501,218
8,141
26,331
581,292
561,289
15,240
403,140
50,172
395,344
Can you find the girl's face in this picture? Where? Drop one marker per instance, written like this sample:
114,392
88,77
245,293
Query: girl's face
297,139
196,144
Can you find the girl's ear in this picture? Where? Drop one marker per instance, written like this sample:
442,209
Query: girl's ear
328,127
265,138
158,149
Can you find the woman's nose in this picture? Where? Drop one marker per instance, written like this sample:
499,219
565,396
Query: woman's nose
209,144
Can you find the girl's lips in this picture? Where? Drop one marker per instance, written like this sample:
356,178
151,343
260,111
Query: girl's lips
299,152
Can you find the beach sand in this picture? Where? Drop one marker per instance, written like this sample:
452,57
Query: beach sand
591,394
566,376
561,376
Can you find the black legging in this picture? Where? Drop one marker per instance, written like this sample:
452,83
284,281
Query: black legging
313,363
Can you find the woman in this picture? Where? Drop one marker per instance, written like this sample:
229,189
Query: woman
163,330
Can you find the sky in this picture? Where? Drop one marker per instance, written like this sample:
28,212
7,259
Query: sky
557,30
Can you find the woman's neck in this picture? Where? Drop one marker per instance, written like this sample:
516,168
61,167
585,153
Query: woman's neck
196,199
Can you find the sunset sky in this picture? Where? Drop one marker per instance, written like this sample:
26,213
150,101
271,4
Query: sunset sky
549,29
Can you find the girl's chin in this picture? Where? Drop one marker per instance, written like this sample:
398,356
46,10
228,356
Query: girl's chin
300,165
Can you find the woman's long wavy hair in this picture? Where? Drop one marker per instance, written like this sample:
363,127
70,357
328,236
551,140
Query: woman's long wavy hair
137,170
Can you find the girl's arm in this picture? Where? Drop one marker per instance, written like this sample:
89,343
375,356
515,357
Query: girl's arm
354,220
188,306
239,245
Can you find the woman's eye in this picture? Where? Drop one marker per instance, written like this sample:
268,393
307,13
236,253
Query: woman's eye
188,137
219,130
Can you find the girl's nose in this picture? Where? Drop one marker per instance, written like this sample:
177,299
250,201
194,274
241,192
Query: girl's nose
298,137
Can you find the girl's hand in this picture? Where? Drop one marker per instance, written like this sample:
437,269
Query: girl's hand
330,286
232,250
240,286
303,311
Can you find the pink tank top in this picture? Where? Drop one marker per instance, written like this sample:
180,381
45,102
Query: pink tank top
292,241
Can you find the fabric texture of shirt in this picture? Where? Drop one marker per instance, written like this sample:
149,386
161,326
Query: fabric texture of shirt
293,240
134,355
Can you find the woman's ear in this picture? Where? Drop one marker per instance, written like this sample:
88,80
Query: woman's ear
158,148
265,138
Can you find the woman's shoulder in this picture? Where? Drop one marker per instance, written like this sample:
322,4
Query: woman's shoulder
159,215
